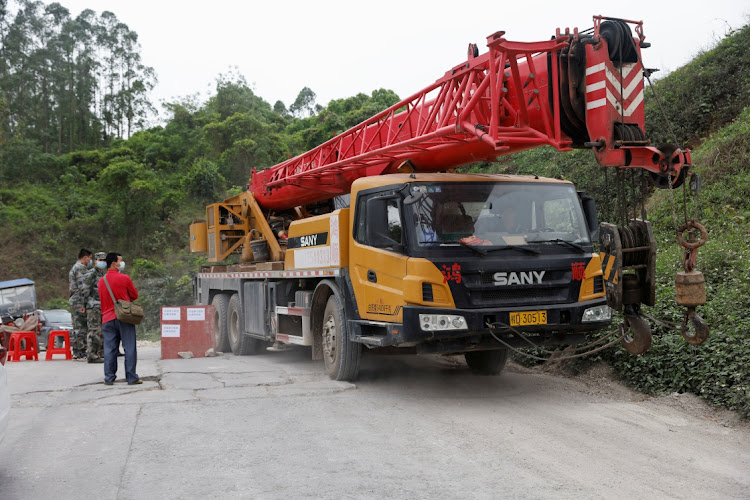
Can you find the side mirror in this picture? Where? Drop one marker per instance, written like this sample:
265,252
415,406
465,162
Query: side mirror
589,211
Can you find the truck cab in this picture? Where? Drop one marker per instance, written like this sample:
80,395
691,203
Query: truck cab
452,258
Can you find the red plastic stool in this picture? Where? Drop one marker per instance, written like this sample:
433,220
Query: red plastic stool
65,349
14,346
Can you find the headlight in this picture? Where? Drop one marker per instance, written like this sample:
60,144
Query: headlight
431,322
598,313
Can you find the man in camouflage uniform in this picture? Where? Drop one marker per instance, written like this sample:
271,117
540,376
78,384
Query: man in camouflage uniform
77,303
90,291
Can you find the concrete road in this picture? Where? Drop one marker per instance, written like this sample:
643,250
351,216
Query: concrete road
274,426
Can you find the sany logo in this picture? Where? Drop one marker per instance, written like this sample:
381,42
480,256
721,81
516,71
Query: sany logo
520,278
309,241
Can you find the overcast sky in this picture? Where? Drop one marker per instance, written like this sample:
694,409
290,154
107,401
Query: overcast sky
340,48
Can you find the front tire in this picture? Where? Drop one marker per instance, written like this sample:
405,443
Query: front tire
340,355
240,343
221,340
487,362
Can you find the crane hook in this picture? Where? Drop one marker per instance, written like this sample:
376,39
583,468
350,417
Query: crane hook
688,262
699,331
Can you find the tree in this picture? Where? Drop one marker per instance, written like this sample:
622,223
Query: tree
304,105
280,109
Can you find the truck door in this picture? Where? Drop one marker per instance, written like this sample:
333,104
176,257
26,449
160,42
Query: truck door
377,258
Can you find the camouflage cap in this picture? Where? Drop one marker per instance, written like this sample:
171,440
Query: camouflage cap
100,256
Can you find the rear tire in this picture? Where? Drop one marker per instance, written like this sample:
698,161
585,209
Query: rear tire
221,340
340,355
487,362
240,343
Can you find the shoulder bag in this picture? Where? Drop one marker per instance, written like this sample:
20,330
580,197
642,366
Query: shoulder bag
126,311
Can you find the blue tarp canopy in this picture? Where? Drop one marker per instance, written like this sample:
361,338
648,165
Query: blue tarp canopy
18,282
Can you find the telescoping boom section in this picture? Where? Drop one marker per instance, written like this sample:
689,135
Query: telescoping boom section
577,90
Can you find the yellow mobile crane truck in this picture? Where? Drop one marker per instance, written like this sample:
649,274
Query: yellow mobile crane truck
372,240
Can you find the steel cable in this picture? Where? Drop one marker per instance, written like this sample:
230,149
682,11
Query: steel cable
562,358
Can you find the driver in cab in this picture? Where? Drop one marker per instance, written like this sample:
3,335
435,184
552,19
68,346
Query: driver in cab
502,221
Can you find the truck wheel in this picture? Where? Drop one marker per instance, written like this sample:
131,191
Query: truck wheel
340,355
240,343
221,303
487,362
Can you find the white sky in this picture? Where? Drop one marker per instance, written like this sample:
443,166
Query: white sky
340,48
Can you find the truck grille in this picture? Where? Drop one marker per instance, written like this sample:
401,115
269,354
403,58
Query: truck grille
427,292
519,296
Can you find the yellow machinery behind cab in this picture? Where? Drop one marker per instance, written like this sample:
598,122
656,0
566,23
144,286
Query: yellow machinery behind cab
229,225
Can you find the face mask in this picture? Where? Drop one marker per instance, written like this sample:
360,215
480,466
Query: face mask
122,266
101,264
90,263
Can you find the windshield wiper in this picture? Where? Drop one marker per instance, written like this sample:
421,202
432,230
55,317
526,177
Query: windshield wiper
565,242
528,250
472,247
484,250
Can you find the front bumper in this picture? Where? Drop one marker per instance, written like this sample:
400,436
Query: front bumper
564,325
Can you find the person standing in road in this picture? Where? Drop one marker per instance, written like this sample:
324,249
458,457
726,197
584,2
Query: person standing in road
114,330
77,303
90,290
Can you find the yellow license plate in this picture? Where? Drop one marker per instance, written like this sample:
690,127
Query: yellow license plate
525,318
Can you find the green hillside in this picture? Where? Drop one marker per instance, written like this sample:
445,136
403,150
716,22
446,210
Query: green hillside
718,370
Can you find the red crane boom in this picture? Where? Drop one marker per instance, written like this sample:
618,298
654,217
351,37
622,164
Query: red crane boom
579,89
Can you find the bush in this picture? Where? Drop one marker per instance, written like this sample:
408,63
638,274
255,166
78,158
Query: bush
203,180
56,303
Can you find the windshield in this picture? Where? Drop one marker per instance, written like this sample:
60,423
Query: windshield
17,301
57,316
495,214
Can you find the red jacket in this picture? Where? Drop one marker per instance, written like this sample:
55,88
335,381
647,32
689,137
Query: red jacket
123,289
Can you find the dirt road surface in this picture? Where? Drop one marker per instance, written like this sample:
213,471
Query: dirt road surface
274,426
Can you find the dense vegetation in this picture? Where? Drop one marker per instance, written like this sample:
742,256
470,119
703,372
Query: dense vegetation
718,370
78,170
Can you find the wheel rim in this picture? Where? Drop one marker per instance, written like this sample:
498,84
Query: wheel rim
217,330
234,327
329,340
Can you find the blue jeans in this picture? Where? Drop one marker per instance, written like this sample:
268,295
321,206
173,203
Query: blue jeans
114,332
